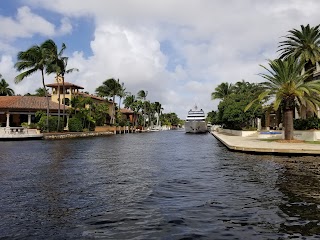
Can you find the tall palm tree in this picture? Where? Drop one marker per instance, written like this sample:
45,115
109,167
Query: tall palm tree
128,101
302,44
63,63
287,86
222,90
122,93
110,88
58,65
4,88
32,60
143,95
54,57
148,111
158,108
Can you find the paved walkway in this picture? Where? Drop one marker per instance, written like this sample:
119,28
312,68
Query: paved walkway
255,145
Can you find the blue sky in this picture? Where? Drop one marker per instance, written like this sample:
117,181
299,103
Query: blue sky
178,51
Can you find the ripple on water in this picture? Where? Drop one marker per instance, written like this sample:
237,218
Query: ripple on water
163,185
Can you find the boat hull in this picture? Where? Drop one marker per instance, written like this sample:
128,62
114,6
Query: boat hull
195,127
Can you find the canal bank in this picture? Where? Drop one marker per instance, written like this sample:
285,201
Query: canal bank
258,146
100,131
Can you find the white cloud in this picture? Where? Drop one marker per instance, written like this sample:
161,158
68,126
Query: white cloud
66,26
26,24
214,42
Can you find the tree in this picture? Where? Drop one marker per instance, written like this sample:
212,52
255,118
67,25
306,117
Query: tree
32,60
63,63
212,117
54,56
158,108
40,92
110,88
143,95
4,88
122,93
231,111
302,44
129,101
57,64
222,90
287,86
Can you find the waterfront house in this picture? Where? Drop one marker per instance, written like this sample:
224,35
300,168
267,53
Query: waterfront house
15,110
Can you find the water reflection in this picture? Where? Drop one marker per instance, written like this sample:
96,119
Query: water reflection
300,184
164,185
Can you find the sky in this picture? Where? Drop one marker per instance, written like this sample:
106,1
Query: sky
178,51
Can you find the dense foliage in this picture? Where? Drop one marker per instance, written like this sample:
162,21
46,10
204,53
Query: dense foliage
75,124
306,124
53,124
231,112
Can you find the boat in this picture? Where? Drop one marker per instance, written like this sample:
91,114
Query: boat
196,121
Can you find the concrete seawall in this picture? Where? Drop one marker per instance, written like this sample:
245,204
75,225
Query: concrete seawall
48,136
258,146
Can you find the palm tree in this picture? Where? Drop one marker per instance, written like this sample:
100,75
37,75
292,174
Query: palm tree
63,63
110,88
148,111
143,95
222,90
158,108
302,44
122,93
58,65
54,58
40,92
33,60
287,86
4,88
128,101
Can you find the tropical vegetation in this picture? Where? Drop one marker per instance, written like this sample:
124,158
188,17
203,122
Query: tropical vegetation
5,90
290,85
47,59
231,107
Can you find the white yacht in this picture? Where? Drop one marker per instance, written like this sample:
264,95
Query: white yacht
196,121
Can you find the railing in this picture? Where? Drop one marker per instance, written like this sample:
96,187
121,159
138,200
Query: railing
17,131
14,130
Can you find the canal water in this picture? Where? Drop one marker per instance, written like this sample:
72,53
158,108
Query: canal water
157,185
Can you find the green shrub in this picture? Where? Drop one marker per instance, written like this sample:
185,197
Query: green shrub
26,125
306,124
53,123
75,125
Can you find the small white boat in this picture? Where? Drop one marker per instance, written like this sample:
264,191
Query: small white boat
196,121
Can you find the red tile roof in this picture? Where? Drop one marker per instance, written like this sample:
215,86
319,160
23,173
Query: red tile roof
27,103
66,84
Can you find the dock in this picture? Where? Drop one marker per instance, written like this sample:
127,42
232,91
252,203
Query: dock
259,146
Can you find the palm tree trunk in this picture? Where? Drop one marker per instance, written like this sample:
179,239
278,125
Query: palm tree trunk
158,119
58,127
64,100
113,109
288,121
45,90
